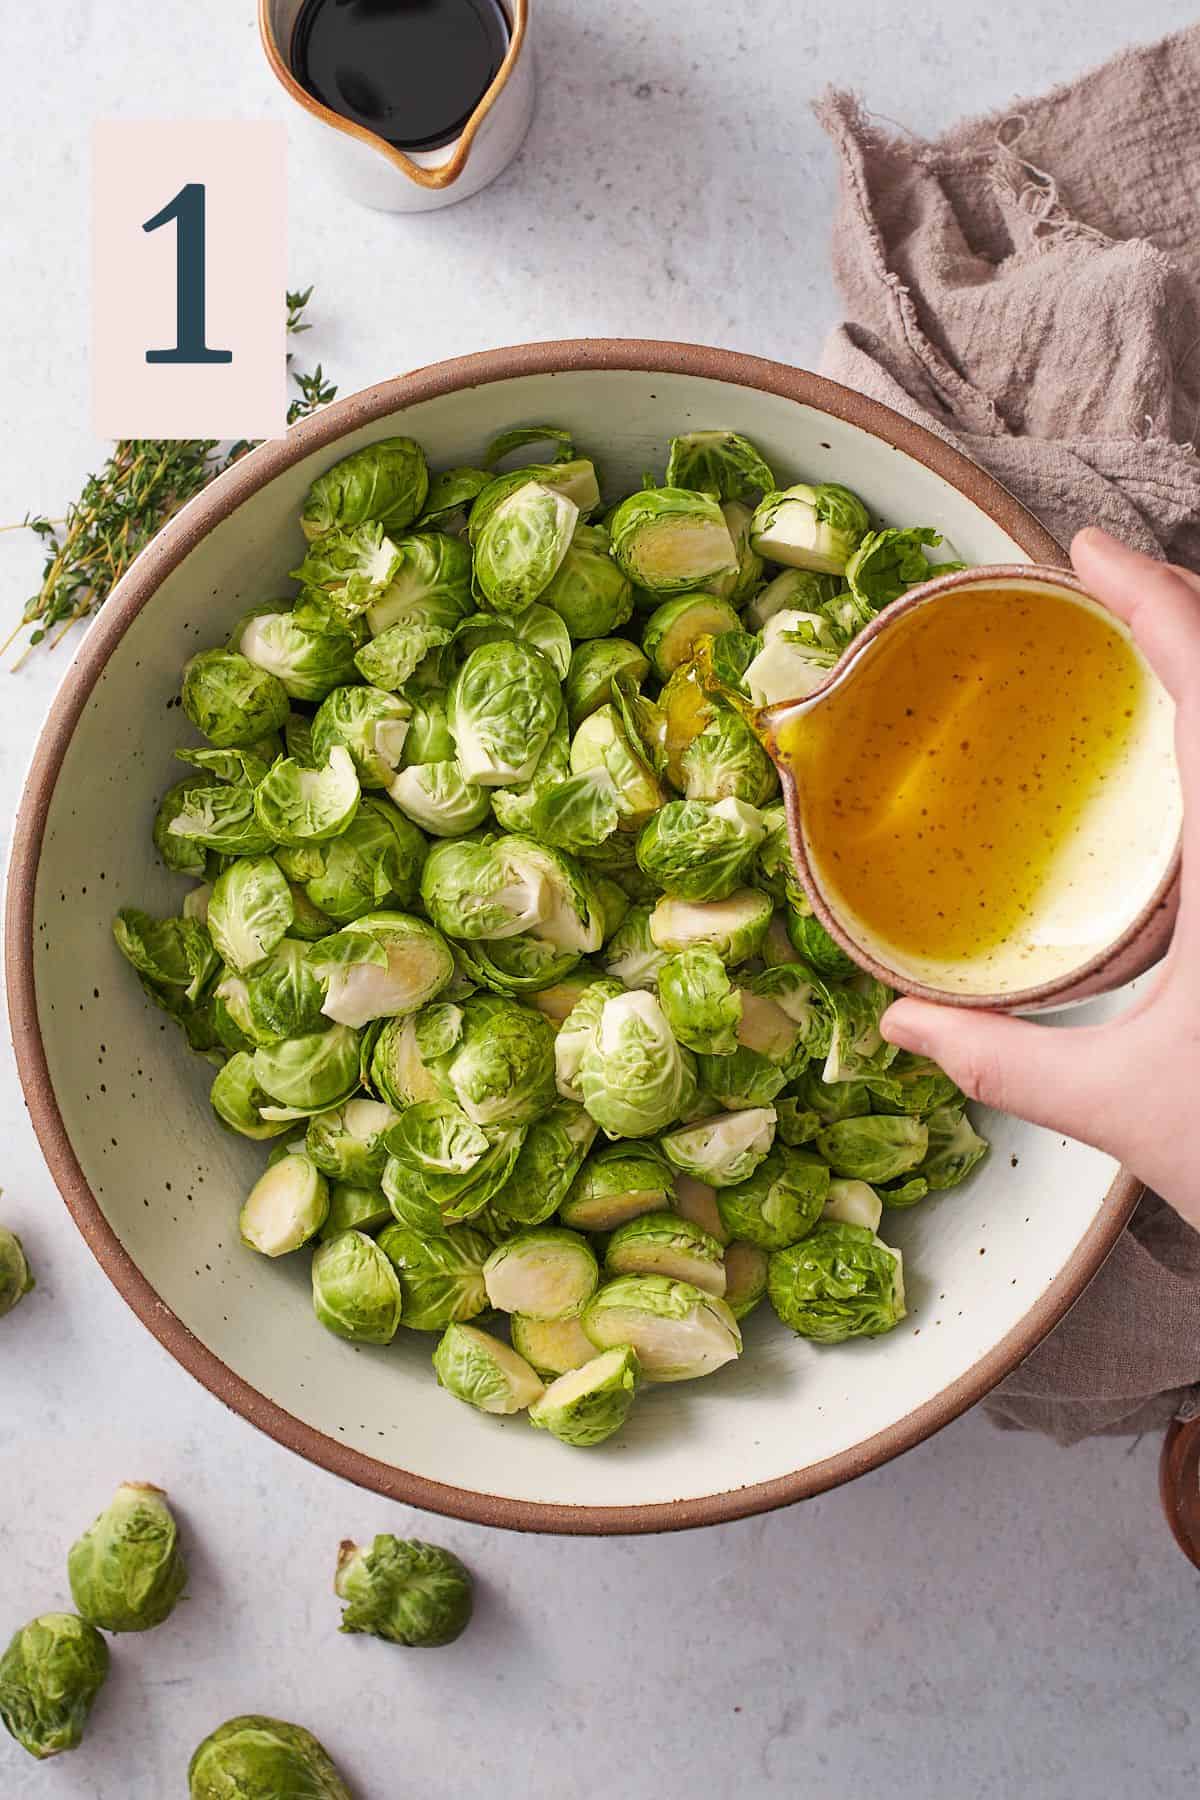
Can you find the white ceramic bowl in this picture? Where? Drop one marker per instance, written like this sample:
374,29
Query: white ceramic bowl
121,1108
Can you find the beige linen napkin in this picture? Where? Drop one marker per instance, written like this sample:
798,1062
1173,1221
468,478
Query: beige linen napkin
1028,286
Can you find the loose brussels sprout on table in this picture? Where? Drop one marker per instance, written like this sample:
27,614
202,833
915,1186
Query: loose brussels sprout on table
49,1676
404,1591
492,924
127,1571
16,1277
256,1758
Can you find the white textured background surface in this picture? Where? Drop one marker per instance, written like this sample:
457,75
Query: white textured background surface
989,1617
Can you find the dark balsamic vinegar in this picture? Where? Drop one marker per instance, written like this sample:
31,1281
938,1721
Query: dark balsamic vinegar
411,71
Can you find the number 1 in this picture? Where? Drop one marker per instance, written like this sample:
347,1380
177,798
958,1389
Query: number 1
187,210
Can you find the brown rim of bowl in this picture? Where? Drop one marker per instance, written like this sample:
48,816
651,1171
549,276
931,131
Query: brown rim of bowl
135,590
1019,999
442,175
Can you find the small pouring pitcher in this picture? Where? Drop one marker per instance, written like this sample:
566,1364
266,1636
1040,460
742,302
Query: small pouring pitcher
370,170
1125,911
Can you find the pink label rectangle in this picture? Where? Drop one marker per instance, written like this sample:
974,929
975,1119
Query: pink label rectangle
188,316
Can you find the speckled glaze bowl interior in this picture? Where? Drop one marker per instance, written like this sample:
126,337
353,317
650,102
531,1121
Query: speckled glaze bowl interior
121,1107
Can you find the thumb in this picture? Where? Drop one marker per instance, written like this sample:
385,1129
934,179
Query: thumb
1054,1077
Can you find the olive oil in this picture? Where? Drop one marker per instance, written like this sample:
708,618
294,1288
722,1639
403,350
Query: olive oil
411,71
948,777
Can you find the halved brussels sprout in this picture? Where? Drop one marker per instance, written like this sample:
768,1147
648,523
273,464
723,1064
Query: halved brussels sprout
549,1159
670,633
521,545
441,1277
551,1346
370,725
476,1367
404,1592
355,1209
217,816
697,1201
545,1274
127,1570
602,742
589,682
16,1277
286,1206
793,590
812,942
779,1203
912,1084
381,967
279,998
429,736
231,700
634,1077
694,851
515,965
832,1100
503,706
617,1183
746,578
438,797
356,1291
378,858
631,956
49,1676
346,1143
874,1149
311,1073
500,1068
810,527
725,760
840,1282
745,1079
395,1068
724,1150
677,1330
954,1148
308,806
590,594
574,478
588,1404
307,661
665,1243
853,1203
429,588
238,1100
250,910
718,462
670,539
745,1278
857,1047
734,927
343,574
386,481
803,998
443,1167
559,1000
452,493
254,1756
798,651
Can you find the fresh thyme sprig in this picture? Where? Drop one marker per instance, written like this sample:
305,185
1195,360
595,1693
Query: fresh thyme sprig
119,509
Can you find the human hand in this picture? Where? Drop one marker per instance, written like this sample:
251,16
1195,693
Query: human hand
1131,1087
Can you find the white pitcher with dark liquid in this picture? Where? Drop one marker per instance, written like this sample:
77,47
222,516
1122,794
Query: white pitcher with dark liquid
379,156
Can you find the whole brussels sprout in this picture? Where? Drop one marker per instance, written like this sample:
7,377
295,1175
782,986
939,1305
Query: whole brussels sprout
722,1151
499,1068
356,1291
839,1282
300,806
441,1277
634,1078
694,851
702,1007
745,1278
346,1143
309,1074
443,1167
404,1592
503,706
256,1758
376,861
588,591
231,700
747,1079
587,1405
127,1571
49,1676
811,941
16,1277
810,527
670,539
876,1148
545,1274
476,1367
547,1163
382,966
779,1203
589,682
664,1243
307,661
250,909
521,544
286,1206
368,723
677,1330
386,482
720,463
